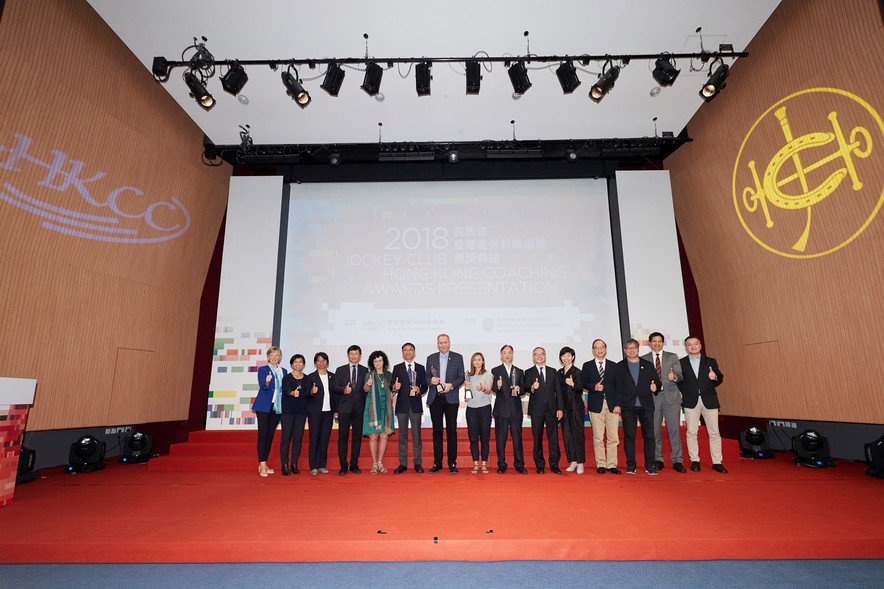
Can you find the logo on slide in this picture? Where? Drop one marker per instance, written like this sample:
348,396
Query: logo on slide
803,179
125,215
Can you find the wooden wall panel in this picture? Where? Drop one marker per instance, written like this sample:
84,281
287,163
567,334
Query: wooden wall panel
798,335
97,124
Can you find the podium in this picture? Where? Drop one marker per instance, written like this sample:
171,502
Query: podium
16,397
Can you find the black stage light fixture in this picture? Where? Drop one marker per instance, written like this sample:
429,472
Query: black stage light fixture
474,76
334,159
519,78
605,83
567,75
664,70
198,91
422,78
334,77
453,157
754,443
86,455
372,81
875,458
716,81
136,448
811,449
294,89
234,79
26,460
161,69
571,155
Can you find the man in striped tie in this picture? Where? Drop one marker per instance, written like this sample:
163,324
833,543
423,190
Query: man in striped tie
597,375
667,403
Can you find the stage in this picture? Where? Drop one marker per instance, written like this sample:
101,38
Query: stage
205,503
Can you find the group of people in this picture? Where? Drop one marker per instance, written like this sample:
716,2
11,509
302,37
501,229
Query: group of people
372,401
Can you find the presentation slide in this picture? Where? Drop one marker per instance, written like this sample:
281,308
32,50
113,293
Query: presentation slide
525,263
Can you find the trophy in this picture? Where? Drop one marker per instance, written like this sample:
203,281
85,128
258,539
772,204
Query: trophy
467,391
513,383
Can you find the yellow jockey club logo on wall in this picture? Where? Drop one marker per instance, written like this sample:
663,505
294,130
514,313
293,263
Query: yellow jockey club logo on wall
805,181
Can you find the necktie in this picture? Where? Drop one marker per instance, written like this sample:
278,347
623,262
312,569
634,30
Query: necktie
542,375
353,377
601,371
410,378
657,366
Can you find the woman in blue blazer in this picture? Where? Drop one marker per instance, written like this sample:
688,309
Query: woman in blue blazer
268,405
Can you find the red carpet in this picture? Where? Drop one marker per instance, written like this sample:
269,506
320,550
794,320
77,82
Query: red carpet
192,507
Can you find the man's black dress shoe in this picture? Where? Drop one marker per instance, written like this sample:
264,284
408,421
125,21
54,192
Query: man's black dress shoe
540,471
294,469
342,472
719,468
355,470
522,470
418,468
679,467
453,469
658,465
501,470
400,469
556,470
285,471
436,468
613,471
601,470
695,466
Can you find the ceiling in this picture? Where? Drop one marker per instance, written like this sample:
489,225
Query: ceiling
284,29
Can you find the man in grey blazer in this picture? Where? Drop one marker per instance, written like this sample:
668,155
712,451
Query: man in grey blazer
445,376
667,403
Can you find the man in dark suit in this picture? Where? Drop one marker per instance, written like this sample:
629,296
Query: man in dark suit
546,408
507,386
349,398
701,376
409,384
445,376
667,402
635,384
598,377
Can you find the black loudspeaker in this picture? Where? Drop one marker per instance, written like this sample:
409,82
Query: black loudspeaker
875,458
754,444
26,460
812,450
86,455
136,448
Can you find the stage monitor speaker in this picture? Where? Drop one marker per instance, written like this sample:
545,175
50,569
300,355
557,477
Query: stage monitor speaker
26,460
86,455
812,450
875,458
136,448
754,444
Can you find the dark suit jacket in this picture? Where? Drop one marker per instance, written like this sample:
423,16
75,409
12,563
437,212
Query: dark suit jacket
314,402
548,397
403,401
453,373
297,404
572,397
590,376
626,389
692,388
505,404
355,401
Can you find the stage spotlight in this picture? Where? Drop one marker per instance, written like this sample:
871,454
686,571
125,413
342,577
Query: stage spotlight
372,81
234,80
754,444
716,81
567,75
474,76
294,89
453,157
86,455
334,159
664,70
812,450
605,83
198,91
136,448
875,458
571,155
26,460
422,78
519,78
161,69
334,77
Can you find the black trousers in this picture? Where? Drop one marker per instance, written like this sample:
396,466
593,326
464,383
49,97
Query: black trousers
292,436
574,434
630,417
320,432
441,409
346,422
267,422
503,426
548,419
479,430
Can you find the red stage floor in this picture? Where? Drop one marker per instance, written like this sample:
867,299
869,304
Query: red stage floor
767,509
